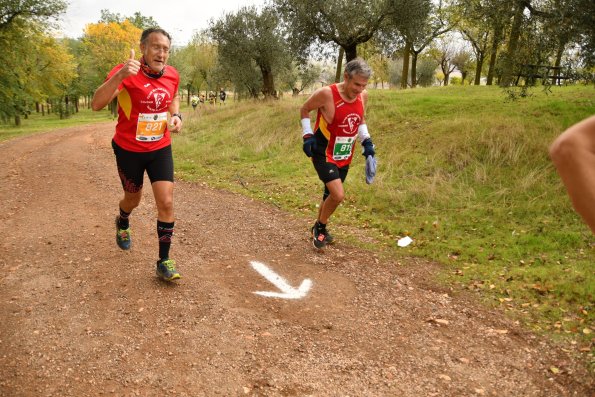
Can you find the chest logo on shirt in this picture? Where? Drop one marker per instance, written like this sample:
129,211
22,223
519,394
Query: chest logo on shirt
350,123
158,99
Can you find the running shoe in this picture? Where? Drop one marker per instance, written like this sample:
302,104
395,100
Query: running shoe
166,270
122,237
318,237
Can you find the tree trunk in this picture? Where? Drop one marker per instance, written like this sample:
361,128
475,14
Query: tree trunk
414,69
515,34
17,120
556,76
66,106
36,107
478,69
405,73
350,52
339,65
494,53
42,110
268,83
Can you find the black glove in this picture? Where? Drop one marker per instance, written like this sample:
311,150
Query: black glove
368,148
309,145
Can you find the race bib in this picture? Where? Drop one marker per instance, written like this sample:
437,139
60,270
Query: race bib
151,126
343,147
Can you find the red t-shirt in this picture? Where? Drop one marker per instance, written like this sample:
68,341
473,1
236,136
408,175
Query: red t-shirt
143,104
341,133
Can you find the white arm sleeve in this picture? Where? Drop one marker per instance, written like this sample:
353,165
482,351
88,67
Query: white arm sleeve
362,132
306,127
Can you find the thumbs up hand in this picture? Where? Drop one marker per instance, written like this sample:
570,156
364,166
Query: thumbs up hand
131,66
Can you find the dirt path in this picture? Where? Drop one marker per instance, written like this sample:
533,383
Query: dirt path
79,317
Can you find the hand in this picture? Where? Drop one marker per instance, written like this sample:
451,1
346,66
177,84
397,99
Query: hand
175,124
309,145
131,66
368,148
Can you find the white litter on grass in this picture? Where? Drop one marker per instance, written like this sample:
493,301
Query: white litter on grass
405,241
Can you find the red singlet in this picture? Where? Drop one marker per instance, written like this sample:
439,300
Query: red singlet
341,133
142,110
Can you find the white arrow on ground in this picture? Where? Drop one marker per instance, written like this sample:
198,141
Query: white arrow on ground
287,291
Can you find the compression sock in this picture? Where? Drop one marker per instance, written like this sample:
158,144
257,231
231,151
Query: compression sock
123,222
165,231
320,226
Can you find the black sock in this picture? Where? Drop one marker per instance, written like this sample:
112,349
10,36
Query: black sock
123,222
320,226
165,232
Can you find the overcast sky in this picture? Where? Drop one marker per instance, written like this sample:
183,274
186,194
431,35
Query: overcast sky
179,17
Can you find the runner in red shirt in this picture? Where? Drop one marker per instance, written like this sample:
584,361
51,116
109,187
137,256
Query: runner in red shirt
339,121
147,90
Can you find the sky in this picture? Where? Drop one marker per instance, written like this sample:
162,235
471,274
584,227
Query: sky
180,18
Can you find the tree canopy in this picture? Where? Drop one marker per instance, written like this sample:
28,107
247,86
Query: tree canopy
251,49
345,23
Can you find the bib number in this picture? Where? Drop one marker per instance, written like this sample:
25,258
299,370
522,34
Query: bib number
151,126
343,147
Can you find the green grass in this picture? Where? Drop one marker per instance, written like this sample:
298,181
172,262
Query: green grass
462,170
38,123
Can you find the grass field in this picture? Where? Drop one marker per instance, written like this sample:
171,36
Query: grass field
462,170
38,123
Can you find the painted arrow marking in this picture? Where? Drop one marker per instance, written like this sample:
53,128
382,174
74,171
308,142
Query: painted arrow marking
287,291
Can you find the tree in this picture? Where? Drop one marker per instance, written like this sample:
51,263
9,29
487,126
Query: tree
196,63
345,23
463,62
31,11
46,71
444,53
31,68
584,15
482,23
424,22
137,19
249,39
426,71
372,51
298,77
514,41
106,44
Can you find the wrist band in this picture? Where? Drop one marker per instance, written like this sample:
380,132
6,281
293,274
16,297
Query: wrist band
306,127
362,132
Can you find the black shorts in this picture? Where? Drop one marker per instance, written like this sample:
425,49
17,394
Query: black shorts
159,165
328,171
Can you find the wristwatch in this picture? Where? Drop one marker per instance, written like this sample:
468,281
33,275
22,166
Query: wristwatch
177,115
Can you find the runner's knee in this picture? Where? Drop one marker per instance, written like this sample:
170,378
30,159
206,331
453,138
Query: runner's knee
564,148
165,204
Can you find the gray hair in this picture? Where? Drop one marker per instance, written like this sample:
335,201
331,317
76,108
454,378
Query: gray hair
145,35
358,66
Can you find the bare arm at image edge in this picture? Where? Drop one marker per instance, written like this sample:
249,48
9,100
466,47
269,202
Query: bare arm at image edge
573,154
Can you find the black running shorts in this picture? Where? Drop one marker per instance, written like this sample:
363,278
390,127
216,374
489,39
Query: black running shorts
159,165
328,171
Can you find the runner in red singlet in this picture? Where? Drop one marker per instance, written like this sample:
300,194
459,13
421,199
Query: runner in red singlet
339,122
147,90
